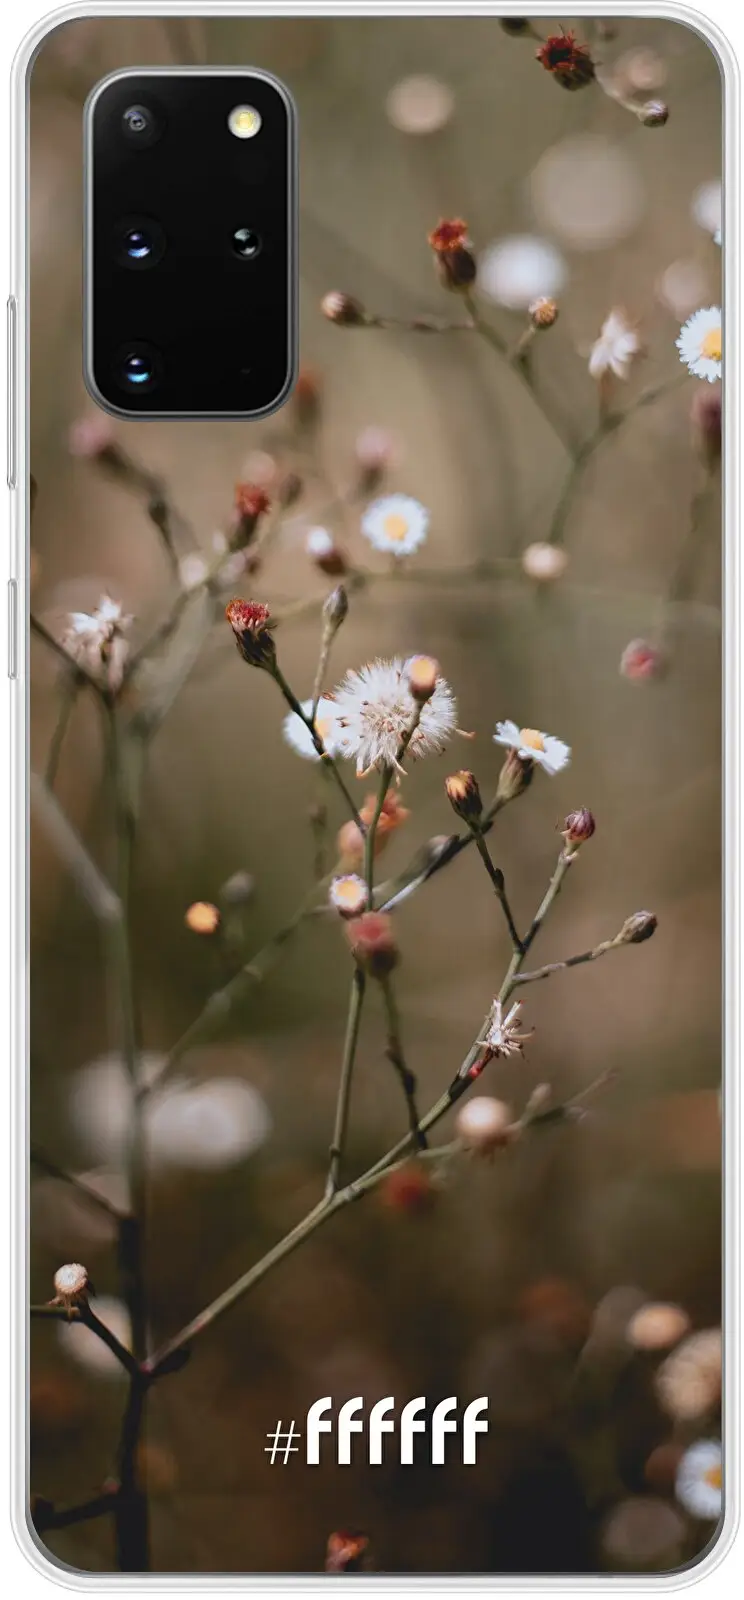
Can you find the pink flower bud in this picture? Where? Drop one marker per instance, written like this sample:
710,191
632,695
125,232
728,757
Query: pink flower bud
641,661
372,943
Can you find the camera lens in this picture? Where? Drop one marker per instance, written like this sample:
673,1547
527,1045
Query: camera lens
138,242
141,126
246,243
137,368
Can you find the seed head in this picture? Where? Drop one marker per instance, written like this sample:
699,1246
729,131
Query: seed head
636,929
343,309
71,1285
464,795
372,943
251,622
570,63
543,312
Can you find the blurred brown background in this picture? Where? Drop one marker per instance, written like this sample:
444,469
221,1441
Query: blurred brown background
382,1303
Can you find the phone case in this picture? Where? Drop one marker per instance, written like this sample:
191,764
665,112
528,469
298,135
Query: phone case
375,1181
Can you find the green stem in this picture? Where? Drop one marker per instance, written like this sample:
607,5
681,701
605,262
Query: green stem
353,1024
522,370
397,1059
70,688
497,879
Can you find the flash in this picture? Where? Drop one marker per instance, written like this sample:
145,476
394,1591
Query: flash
244,122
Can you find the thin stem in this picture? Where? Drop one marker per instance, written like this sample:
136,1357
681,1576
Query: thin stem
85,1315
353,1024
70,689
497,879
75,667
48,1516
369,843
573,961
522,369
327,637
309,722
396,1057
39,1159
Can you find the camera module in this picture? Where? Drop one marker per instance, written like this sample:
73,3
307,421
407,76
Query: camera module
246,243
137,368
139,242
141,126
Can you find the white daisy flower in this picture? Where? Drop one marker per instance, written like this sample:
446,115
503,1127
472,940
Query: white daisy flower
96,640
503,1037
348,895
700,343
530,745
618,344
699,1482
298,735
375,709
396,524
319,543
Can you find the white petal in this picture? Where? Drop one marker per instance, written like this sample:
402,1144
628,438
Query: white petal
555,756
507,733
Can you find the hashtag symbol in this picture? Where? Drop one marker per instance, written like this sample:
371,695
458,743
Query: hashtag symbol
281,1445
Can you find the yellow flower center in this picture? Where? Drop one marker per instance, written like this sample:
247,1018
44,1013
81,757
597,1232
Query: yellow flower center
711,346
531,739
713,1477
347,892
395,527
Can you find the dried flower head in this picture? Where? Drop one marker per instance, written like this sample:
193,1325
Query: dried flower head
483,1124
372,943
202,917
453,254
543,562
700,344
322,548
351,842
657,1326
699,1481
408,1188
299,737
531,745
347,1552
343,309
543,312
423,676
578,826
376,711
464,795
71,1285
251,622
348,895
569,63
97,641
636,929
688,1383
642,661
618,346
397,524
503,1037
706,419
654,114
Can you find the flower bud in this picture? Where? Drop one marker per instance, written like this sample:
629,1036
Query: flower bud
483,1124
343,309
543,562
543,312
408,1188
251,502
515,776
568,62
464,795
454,259
641,661
372,943
323,550
423,672
251,623
577,828
238,889
654,114
336,606
202,917
657,1326
347,1552
636,929
71,1285
706,416
348,895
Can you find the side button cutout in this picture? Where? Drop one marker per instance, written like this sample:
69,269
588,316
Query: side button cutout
12,628
12,332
